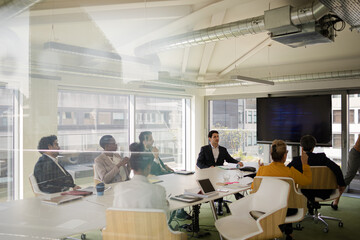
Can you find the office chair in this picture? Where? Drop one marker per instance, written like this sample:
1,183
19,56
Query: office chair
96,176
138,224
35,187
258,215
322,178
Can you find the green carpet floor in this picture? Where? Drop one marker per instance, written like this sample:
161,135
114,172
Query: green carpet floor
349,212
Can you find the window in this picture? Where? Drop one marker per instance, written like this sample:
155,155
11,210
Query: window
337,116
351,116
87,117
167,128
239,139
336,141
6,144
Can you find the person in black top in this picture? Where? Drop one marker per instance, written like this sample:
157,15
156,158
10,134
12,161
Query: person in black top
308,144
50,175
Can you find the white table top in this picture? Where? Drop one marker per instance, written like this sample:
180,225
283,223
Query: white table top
23,219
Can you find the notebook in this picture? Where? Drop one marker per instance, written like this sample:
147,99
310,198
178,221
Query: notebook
61,199
207,187
186,198
183,172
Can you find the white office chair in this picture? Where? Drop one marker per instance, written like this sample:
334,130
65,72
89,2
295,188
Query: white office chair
35,186
257,216
296,198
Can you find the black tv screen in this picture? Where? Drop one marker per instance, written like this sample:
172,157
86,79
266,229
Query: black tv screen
290,118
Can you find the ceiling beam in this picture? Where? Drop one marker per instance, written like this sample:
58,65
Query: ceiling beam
216,19
246,56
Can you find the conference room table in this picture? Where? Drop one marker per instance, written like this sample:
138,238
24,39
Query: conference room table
32,219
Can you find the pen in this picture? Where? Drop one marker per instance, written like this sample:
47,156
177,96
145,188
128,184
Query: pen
169,195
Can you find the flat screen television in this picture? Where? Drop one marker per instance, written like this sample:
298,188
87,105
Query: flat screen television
290,118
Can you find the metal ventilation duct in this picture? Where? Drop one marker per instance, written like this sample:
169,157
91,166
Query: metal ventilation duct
347,10
14,8
306,14
235,29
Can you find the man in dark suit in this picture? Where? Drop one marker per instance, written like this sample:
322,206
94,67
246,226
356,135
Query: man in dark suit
214,155
50,175
308,144
158,167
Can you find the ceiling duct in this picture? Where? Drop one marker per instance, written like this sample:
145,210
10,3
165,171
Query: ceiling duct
291,21
213,34
14,8
347,10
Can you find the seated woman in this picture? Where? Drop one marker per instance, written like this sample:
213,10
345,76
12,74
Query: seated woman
109,166
278,169
139,192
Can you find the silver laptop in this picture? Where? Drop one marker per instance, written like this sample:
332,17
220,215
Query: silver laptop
207,187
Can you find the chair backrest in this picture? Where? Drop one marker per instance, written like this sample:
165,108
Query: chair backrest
96,176
296,198
35,186
134,224
274,191
322,178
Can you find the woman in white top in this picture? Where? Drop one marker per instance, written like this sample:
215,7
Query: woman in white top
138,192
109,166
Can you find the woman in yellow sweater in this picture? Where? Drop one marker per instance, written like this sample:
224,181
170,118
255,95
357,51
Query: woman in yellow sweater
278,169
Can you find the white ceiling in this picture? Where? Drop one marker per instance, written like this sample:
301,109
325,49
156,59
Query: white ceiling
121,26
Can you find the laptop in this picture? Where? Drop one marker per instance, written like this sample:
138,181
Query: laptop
207,187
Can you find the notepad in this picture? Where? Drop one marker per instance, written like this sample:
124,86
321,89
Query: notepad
60,199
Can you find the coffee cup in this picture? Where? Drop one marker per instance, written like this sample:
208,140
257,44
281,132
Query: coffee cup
100,187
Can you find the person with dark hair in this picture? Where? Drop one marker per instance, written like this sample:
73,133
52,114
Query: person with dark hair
308,144
50,175
138,192
277,168
212,155
146,144
110,167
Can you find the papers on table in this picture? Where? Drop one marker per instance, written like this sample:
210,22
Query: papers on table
229,166
153,179
243,182
61,199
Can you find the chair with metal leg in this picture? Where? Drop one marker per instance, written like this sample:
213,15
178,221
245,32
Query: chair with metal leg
322,178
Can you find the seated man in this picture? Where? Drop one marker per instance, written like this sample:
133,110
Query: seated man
50,175
138,192
158,167
308,144
109,165
214,155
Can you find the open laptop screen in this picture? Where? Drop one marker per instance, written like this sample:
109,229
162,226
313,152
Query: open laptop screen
206,185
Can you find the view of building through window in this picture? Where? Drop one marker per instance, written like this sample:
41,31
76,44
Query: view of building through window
6,144
84,117
164,118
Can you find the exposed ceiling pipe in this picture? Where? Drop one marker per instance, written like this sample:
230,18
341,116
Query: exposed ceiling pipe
235,29
302,15
308,13
294,78
14,8
280,79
